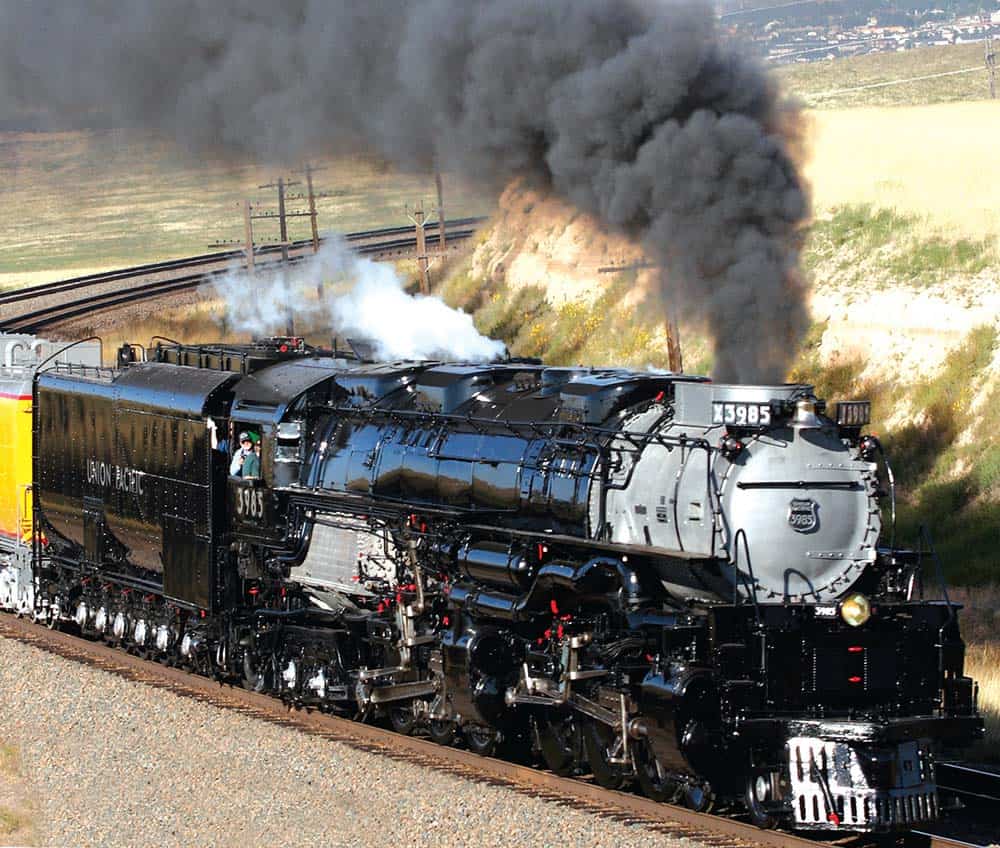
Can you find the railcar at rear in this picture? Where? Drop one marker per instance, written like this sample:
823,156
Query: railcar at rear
647,577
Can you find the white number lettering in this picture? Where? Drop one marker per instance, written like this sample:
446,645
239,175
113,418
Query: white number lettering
250,504
741,414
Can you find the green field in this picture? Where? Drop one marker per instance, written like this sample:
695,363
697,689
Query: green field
816,82
94,200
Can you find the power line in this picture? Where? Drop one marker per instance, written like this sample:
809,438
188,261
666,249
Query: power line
769,8
836,91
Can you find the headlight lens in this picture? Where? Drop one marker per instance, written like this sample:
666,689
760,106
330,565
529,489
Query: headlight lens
855,609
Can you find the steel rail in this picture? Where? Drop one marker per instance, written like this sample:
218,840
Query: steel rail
39,318
713,830
969,782
147,269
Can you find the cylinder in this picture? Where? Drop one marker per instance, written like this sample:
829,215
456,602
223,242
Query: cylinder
495,564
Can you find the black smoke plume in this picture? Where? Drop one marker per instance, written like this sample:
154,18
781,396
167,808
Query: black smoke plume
636,111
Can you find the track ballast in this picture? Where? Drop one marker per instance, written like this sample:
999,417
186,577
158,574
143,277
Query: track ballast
713,830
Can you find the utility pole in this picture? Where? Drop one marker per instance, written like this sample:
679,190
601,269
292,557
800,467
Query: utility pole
311,195
247,243
283,216
675,357
248,225
313,220
310,170
419,219
282,221
283,224
440,192
991,56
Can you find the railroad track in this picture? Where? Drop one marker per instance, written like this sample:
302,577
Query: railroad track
972,784
385,243
38,319
710,830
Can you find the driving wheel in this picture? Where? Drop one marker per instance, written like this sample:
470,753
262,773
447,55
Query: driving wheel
560,745
603,746
654,781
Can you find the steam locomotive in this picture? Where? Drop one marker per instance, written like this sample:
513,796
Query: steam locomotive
647,577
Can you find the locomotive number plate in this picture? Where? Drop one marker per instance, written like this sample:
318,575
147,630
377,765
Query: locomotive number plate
741,414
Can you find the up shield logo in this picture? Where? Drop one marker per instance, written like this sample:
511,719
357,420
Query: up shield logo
803,515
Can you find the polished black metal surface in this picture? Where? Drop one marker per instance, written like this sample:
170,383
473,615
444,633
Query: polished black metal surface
516,574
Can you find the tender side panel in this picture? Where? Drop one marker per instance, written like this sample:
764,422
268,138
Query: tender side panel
75,456
15,469
126,476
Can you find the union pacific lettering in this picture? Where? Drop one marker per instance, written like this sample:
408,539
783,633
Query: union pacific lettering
110,476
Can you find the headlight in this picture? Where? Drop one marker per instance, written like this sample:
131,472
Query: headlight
855,609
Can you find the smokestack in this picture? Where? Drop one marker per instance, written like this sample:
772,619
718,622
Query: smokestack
635,111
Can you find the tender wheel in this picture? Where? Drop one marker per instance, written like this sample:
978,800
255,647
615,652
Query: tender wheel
481,740
699,797
758,794
602,745
442,731
402,719
560,745
654,781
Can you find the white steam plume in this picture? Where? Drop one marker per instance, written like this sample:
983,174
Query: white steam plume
361,299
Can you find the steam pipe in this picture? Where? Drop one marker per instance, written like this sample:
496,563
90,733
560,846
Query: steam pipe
552,576
298,554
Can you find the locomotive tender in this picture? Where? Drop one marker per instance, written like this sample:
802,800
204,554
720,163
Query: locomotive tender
648,577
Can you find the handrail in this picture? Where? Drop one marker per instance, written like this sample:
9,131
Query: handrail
62,350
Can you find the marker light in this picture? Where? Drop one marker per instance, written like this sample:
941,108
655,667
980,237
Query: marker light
855,609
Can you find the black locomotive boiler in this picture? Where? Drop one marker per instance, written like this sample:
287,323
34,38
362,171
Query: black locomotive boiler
651,578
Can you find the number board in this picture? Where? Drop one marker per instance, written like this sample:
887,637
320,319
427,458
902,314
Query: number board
854,413
741,414
250,504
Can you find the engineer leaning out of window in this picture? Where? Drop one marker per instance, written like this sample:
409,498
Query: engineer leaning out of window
246,460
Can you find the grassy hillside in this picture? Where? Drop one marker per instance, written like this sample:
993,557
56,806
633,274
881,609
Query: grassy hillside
823,84
865,246
93,200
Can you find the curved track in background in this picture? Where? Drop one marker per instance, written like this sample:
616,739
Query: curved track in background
710,830
168,277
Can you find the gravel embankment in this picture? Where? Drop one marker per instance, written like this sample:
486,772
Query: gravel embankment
119,764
